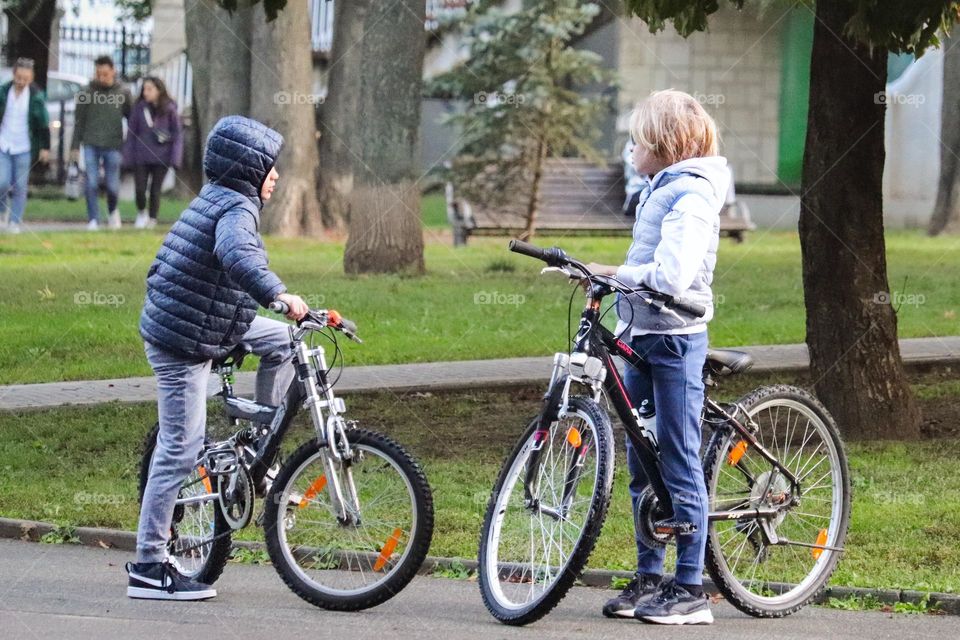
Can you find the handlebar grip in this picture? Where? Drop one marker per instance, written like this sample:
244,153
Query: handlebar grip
691,308
279,306
527,249
348,325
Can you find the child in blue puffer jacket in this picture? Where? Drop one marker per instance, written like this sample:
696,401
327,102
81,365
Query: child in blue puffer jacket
203,290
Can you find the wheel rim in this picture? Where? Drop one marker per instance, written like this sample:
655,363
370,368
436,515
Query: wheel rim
348,560
195,528
527,552
774,576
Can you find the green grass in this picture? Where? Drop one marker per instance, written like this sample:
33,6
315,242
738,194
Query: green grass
50,207
77,467
70,302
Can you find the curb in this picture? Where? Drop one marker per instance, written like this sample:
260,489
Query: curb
33,531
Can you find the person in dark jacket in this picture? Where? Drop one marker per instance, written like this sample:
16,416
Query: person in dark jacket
24,138
101,108
203,290
154,144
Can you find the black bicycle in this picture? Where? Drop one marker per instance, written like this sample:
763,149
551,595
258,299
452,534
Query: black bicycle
348,517
775,470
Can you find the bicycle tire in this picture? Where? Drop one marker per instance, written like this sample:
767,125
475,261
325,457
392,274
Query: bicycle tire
412,559
221,546
584,545
718,450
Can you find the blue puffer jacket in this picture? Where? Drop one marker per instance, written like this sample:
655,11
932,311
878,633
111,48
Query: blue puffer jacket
205,283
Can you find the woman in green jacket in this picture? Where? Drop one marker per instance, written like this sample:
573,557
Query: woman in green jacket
24,137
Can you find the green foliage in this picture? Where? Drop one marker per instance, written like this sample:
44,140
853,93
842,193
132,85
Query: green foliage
455,571
61,535
520,83
890,24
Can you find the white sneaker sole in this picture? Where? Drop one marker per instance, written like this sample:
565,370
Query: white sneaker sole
704,616
160,594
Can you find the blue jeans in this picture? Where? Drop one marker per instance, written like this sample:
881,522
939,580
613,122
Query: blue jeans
182,408
14,175
111,158
672,379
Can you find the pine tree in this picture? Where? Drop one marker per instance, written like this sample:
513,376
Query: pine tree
522,84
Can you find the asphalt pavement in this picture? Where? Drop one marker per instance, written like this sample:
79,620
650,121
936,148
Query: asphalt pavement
76,592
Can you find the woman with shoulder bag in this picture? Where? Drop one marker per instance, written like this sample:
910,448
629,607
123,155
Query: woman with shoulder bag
154,144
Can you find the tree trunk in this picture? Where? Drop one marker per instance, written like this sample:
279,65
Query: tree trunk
851,326
386,231
533,204
946,212
282,98
29,24
340,113
218,47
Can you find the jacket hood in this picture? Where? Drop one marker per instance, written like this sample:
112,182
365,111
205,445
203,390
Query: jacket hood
240,153
713,168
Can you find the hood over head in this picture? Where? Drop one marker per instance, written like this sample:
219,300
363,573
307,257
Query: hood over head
240,153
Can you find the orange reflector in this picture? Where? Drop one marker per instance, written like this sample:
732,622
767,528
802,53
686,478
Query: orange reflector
736,453
313,490
387,550
573,437
821,540
202,472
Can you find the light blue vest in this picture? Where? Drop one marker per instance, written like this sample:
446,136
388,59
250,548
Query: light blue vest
656,201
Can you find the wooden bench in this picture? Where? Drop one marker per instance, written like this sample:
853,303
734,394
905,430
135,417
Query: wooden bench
576,197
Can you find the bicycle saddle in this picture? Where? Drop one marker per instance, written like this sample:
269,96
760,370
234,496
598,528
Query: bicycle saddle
235,357
724,362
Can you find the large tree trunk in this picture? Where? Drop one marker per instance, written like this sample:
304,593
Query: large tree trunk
946,212
338,127
218,47
533,202
386,232
282,98
29,24
851,326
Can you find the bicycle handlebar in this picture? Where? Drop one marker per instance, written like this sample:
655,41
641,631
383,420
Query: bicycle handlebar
556,257
333,319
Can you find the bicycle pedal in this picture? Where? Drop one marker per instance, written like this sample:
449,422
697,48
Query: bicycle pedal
674,527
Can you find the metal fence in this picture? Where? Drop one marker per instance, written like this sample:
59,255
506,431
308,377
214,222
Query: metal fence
80,45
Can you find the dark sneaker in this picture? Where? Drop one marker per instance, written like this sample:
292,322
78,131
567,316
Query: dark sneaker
622,606
673,604
162,581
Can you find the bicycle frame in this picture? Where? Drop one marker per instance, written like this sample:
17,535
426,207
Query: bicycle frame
309,388
591,363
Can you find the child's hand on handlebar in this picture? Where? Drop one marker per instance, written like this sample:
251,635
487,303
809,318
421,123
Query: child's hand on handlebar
298,308
602,269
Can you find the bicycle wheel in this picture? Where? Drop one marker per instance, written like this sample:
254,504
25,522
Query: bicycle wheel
531,555
200,537
761,579
349,566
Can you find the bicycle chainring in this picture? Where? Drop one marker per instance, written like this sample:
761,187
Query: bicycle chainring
647,514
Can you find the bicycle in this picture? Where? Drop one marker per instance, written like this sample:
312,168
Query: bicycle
348,517
775,469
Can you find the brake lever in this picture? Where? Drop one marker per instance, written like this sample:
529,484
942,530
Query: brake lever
564,270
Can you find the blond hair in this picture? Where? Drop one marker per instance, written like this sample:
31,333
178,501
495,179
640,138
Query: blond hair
674,126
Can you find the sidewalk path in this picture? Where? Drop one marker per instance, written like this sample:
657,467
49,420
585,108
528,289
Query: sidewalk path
434,376
67,591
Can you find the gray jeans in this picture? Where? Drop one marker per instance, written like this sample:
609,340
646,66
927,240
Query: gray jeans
182,406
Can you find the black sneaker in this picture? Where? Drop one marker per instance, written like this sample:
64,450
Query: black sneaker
162,581
623,605
674,605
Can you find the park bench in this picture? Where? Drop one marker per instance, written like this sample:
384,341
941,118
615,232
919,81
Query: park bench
577,197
